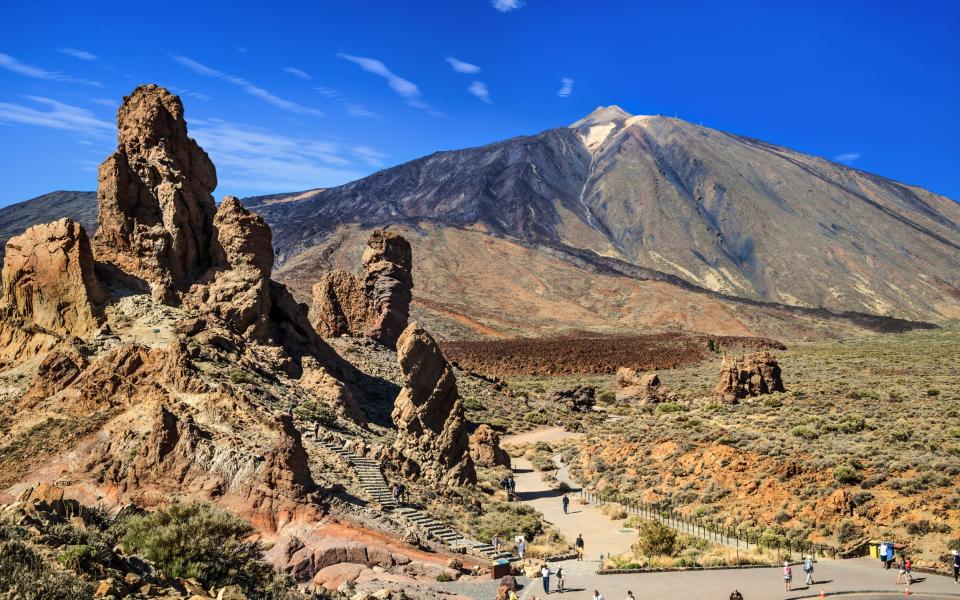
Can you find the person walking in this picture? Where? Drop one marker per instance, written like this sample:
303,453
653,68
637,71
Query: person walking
736,595
597,595
395,492
630,595
901,570
578,545
560,576
787,576
808,569
495,542
907,565
513,487
566,503
545,574
956,566
401,493
521,548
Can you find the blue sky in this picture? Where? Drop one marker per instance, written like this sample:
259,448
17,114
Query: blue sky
314,94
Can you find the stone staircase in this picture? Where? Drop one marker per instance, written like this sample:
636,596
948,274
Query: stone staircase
373,483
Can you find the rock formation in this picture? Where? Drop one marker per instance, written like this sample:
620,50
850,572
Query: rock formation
286,467
485,448
48,278
237,287
581,398
431,430
750,375
636,386
154,196
377,304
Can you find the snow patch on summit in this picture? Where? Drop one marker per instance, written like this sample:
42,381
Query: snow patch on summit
596,135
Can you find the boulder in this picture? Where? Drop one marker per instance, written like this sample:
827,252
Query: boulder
750,375
231,592
154,197
375,304
581,398
48,278
485,448
431,430
636,386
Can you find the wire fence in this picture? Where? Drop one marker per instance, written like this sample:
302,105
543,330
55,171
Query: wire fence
712,530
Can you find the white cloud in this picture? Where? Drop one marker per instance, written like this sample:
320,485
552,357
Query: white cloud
248,87
297,72
256,159
847,157
105,102
479,89
566,87
57,116
404,88
81,54
357,110
11,64
241,48
507,5
462,67
327,92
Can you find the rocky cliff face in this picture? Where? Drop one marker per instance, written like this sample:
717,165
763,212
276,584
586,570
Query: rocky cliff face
428,413
154,195
377,304
48,278
749,375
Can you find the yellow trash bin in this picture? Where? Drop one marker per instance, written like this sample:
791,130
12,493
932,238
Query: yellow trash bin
874,550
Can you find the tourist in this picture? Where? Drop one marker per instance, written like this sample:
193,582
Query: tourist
545,574
808,569
882,551
401,493
956,566
521,548
579,546
395,492
495,542
907,566
787,576
736,595
597,595
560,579
901,569
889,555
566,503
513,486
630,595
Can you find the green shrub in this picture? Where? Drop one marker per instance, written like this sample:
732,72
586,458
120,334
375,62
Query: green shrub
200,541
670,407
806,432
656,539
954,432
933,392
316,412
536,417
444,576
79,557
846,475
24,575
606,396
772,402
509,519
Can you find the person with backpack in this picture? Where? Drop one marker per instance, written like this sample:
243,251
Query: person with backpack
787,576
736,595
578,545
808,569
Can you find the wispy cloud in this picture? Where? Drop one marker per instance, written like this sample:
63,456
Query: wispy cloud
507,5
297,72
257,159
566,87
105,102
11,64
479,89
847,157
359,111
327,92
248,87
56,115
81,54
241,48
462,67
404,88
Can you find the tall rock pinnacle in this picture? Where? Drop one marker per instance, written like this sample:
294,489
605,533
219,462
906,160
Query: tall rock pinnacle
154,195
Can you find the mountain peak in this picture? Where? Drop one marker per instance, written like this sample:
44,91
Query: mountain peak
603,114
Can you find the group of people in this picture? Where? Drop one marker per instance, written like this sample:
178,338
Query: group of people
509,485
788,574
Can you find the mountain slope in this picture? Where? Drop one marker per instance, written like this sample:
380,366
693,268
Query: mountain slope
81,206
723,212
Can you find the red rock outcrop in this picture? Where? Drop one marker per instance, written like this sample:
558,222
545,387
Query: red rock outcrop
377,304
286,467
636,386
750,375
431,430
48,278
154,196
237,287
485,448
